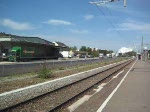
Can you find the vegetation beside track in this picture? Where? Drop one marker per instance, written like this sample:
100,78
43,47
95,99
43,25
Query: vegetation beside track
22,80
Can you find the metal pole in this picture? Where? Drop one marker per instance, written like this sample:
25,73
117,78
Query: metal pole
142,46
125,3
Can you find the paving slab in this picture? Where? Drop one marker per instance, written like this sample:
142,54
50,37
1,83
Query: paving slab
134,93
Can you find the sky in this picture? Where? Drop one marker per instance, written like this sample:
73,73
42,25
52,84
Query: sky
78,23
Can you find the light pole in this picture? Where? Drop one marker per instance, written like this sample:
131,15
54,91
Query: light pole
142,46
146,52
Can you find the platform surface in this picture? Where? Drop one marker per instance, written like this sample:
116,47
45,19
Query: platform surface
134,93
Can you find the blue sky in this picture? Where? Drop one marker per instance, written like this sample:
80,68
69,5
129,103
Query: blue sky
77,23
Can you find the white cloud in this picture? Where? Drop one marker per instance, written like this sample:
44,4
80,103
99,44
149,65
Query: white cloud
134,25
15,25
80,31
58,22
89,17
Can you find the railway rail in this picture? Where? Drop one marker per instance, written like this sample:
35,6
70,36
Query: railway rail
60,92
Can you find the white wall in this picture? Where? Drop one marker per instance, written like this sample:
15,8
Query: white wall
65,54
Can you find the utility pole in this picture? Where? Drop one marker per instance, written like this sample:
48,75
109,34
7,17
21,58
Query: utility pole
142,46
144,51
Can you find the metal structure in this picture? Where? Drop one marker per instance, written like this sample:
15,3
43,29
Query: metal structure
145,48
142,46
125,3
101,2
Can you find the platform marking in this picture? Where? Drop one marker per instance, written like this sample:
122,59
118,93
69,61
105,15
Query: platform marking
110,96
118,74
87,97
83,99
79,102
97,90
103,84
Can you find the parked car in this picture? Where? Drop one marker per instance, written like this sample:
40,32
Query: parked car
101,55
4,57
90,56
82,56
109,55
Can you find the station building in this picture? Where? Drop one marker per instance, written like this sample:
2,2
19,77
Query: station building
44,47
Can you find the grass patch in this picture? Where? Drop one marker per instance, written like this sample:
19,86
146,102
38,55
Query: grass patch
44,72
51,72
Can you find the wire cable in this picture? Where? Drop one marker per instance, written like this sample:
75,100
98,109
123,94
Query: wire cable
118,34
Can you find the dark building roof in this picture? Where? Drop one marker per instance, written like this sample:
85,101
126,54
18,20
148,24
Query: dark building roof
14,38
62,44
65,49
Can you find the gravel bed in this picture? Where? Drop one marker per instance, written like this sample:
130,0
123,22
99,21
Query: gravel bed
49,101
11,83
43,88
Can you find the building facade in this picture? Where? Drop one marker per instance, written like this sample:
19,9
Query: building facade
43,48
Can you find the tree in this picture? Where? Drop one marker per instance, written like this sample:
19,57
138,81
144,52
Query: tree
83,48
132,53
109,52
73,48
89,50
95,52
103,51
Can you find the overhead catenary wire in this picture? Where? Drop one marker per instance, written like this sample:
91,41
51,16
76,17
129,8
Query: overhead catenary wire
117,30
112,15
109,22
100,3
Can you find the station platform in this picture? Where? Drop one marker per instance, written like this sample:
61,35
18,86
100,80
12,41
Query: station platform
134,93
127,92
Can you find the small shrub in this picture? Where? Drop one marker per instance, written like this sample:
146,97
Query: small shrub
44,72
61,68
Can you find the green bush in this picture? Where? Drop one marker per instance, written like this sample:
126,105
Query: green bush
44,72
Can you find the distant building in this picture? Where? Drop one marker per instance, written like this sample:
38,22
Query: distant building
64,50
43,47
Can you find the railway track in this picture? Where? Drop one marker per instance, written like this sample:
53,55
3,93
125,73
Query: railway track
57,98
